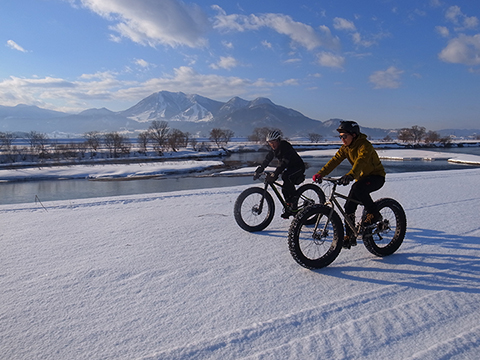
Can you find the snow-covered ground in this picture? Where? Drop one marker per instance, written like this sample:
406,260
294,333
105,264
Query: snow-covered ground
408,154
107,171
172,276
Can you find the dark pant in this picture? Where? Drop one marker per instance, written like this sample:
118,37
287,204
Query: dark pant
291,177
361,190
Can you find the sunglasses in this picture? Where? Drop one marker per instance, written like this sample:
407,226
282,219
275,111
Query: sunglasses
344,136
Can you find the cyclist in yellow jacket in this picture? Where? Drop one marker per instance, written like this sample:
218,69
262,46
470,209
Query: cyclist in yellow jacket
367,170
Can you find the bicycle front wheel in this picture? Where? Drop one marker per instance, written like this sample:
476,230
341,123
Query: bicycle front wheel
316,245
254,209
387,235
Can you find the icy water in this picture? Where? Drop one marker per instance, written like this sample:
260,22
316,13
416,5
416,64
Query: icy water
47,190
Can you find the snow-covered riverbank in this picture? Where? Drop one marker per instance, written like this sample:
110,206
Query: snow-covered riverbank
138,170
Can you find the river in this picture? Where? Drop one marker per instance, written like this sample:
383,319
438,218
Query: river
48,190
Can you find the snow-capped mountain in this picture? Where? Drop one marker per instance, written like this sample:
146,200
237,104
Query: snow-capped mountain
192,113
170,106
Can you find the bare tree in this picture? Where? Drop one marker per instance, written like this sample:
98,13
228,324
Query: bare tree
405,135
6,141
314,138
221,137
432,137
92,138
446,141
186,138
415,134
38,143
142,140
418,133
117,144
158,133
194,143
176,138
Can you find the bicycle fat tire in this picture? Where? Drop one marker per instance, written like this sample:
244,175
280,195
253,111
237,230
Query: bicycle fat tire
308,244
388,234
247,209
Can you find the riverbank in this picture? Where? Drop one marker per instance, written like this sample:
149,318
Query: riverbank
129,171
238,146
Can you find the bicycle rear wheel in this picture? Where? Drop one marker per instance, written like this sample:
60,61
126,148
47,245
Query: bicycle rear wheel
387,235
316,245
309,194
254,209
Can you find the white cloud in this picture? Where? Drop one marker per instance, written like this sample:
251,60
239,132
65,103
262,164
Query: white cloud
347,25
105,89
455,15
142,63
462,50
291,82
330,60
386,79
13,45
343,24
227,63
358,40
298,32
443,31
166,22
266,44
435,3
227,44
292,61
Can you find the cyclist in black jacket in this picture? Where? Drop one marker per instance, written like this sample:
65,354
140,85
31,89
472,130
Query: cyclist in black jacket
291,166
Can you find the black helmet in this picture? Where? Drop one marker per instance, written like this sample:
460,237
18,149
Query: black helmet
273,135
350,127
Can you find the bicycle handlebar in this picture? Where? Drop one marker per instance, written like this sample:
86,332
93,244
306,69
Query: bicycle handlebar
330,179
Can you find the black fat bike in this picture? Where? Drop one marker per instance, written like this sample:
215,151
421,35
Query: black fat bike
316,244
254,208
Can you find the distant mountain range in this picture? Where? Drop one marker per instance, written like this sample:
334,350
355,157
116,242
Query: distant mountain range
193,113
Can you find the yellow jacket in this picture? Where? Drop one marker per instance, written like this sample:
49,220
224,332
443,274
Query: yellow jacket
361,155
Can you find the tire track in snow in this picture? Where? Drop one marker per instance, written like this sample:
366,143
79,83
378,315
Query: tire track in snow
340,328
465,345
393,332
245,342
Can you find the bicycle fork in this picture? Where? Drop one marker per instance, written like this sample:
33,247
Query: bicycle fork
259,209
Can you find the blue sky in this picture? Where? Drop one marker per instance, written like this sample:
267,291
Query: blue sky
383,63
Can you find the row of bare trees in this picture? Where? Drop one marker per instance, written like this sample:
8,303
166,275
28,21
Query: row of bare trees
419,134
157,139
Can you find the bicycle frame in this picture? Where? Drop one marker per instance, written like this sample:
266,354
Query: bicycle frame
277,193
275,190
332,200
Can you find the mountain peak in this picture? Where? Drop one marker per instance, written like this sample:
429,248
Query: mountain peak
261,101
93,112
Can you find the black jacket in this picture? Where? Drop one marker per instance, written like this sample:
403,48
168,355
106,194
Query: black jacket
286,155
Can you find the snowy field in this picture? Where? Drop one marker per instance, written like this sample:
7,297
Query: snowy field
172,276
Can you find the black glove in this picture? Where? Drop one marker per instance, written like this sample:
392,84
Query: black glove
345,180
258,172
271,178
